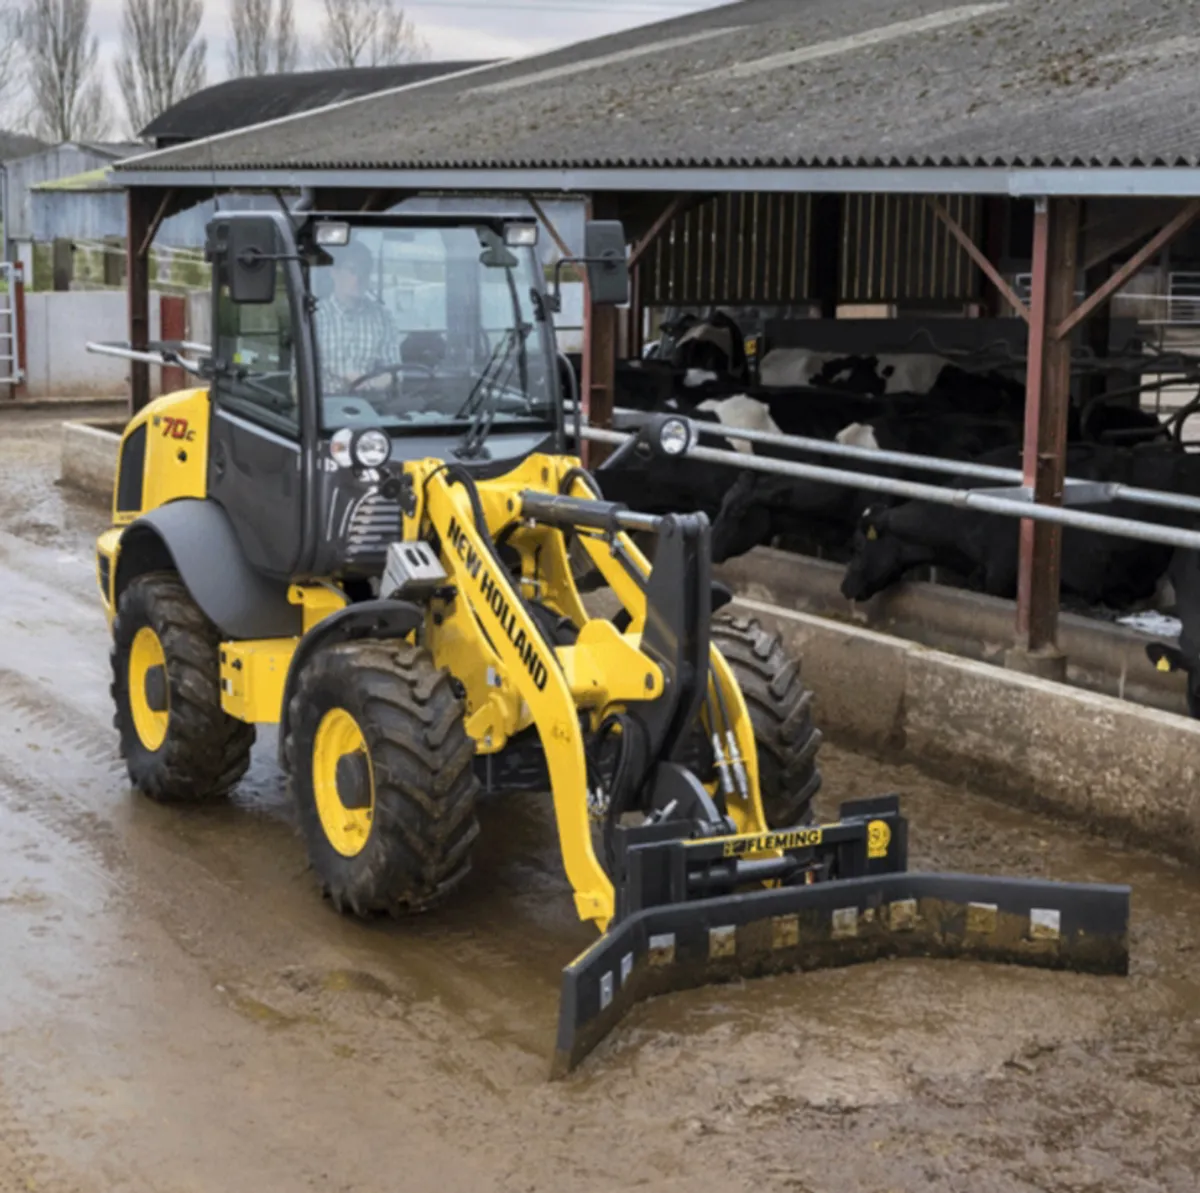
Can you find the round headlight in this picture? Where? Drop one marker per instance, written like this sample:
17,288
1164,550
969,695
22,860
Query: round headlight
339,448
674,437
371,449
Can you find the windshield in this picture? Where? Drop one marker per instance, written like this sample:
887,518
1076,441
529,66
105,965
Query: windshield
422,326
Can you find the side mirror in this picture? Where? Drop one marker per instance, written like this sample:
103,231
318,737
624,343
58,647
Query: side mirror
607,263
253,247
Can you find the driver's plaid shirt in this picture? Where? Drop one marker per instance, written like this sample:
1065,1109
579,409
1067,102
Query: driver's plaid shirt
353,340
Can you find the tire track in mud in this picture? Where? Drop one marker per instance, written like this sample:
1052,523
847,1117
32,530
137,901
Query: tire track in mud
281,972
24,1166
60,766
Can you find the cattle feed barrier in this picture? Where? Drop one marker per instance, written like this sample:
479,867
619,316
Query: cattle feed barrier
1076,492
988,501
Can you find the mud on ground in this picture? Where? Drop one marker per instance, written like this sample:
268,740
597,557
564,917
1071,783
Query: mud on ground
179,1010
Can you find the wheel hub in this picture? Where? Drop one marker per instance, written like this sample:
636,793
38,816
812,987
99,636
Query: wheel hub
343,783
149,698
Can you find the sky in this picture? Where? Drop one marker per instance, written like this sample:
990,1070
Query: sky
453,29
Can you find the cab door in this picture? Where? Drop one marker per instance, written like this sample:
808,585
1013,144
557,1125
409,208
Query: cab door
255,466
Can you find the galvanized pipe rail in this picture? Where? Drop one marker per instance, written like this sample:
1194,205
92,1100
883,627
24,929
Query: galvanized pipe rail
1086,492
985,501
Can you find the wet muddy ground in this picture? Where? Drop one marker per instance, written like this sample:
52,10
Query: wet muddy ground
179,1010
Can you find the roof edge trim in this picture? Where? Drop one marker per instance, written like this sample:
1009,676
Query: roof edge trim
1158,182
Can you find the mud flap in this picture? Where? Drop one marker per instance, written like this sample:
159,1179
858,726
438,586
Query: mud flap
1053,925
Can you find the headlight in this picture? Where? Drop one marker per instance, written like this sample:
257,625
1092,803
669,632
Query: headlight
339,448
520,235
674,436
371,449
332,235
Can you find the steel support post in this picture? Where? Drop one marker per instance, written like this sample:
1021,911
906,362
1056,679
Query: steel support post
1048,397
139,213
825,253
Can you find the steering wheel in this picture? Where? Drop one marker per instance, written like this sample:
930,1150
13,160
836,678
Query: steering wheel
394,371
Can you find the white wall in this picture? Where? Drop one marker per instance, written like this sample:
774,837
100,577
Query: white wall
58,327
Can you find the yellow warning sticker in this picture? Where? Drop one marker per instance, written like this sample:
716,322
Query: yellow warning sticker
879,837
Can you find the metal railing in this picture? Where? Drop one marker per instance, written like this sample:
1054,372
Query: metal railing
1015,500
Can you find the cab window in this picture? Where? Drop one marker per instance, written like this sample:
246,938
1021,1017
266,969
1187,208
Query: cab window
256,355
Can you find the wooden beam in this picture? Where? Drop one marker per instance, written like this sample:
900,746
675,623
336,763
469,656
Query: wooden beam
979,257
655,230
156,223
540,212
1149,250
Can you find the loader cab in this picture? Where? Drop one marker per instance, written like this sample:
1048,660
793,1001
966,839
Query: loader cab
346,345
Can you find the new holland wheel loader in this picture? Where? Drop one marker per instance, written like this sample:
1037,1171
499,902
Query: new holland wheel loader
361,528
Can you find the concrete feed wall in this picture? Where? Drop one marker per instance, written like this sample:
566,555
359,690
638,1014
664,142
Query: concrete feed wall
1111,764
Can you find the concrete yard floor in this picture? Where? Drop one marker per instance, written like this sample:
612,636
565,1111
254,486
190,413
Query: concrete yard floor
180,1012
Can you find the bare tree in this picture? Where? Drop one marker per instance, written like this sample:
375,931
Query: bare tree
262,37
12,81
162,57
368,33
66,93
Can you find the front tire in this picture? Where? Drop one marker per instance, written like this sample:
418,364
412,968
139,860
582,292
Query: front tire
780,708
382,773
179,745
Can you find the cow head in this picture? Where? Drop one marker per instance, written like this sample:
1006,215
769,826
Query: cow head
1171,658
881,557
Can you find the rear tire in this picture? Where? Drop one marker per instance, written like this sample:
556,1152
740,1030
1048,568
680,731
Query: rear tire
189,751
780,709
379,714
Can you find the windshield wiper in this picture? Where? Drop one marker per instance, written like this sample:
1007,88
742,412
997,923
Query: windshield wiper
485,393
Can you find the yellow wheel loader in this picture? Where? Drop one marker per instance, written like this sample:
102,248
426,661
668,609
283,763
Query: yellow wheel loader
360,528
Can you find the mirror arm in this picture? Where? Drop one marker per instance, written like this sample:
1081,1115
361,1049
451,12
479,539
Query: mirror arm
555,298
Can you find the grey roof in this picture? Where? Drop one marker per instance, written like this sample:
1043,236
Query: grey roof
236,103
785,83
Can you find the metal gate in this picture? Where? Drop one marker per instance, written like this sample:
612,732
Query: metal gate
12,311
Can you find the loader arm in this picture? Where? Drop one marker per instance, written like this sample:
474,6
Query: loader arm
514,677
527,663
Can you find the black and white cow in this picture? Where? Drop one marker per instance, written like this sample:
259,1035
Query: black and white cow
1184,574
983,548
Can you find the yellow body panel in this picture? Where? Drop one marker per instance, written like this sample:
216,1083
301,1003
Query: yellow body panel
318,601
252,677
176,457
107,546
605,667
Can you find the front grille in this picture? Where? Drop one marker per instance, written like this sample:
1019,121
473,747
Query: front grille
376,521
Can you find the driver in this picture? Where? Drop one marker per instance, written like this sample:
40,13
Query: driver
356,332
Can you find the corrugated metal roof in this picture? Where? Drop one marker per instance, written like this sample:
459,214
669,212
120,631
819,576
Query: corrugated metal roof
786,83
236,103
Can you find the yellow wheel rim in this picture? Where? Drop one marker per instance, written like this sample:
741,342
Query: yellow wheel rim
145,655
339,740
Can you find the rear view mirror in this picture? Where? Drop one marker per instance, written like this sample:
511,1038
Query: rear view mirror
250,260
607,264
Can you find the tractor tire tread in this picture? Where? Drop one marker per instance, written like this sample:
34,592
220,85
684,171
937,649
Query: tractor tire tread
780,708
206,751
424,823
